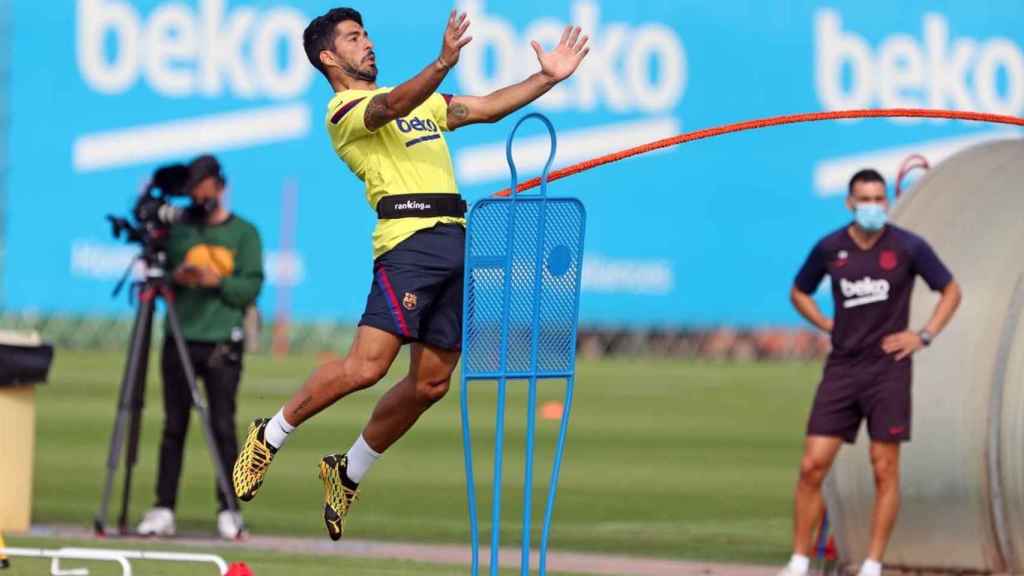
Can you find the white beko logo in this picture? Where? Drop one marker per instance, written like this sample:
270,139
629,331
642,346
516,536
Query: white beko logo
935,71
633,67
934,68
178,51
641,67
864,291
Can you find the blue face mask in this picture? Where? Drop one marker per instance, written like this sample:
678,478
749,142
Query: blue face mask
870,217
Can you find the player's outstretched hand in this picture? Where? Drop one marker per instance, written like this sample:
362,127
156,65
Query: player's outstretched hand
454,39
902,344
561,62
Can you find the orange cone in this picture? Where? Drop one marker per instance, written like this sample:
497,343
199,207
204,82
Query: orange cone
551,411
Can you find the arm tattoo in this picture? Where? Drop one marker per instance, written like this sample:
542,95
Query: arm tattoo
377,112
458,112
297,412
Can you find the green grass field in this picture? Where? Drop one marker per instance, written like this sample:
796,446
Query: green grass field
669,459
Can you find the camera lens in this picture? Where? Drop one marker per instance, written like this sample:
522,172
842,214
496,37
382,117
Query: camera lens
169,214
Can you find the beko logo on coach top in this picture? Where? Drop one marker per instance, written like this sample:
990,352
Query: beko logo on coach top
633,67
181,50
903,71
863,291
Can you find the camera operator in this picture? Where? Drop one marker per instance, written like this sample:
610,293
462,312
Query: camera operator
216,258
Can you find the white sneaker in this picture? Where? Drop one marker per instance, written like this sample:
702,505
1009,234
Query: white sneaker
870,569
230,526
157,522
798,566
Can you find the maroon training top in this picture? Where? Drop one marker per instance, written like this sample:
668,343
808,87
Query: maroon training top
870,288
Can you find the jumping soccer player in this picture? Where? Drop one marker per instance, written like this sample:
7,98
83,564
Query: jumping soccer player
392,139
872,266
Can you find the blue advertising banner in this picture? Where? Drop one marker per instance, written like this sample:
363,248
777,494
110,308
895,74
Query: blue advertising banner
104,91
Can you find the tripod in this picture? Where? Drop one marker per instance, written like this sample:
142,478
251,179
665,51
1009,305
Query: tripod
133,390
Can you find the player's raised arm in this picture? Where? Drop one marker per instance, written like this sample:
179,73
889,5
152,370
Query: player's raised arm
555,66
397,103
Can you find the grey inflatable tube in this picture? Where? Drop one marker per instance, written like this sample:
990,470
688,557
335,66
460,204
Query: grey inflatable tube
963,472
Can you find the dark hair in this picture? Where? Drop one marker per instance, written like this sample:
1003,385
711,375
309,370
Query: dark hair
201,168
319,35
866,175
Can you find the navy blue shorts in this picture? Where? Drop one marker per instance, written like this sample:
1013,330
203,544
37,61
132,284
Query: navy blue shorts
876,390
416,292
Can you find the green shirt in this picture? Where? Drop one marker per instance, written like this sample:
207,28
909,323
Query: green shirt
234,249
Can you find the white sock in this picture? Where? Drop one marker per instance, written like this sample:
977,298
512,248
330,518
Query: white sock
871,568
360,458
277,430
799,564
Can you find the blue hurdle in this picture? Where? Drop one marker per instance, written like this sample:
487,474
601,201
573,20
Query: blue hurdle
524,258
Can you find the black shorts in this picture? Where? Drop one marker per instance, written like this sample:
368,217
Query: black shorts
876,389
416,291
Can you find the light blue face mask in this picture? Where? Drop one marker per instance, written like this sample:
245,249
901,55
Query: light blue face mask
871,217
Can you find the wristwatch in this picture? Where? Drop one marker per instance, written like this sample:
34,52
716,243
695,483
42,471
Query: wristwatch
926,337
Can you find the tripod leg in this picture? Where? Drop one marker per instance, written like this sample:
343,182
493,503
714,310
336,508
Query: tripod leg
131,456
137,353
200,405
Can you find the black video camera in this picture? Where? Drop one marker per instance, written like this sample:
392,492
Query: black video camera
153,213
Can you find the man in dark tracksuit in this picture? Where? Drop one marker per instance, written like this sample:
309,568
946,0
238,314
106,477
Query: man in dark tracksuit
216,258
873,266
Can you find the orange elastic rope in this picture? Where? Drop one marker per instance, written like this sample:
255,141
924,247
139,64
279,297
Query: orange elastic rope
766,123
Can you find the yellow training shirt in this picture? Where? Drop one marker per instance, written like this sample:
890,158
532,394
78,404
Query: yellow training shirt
405,156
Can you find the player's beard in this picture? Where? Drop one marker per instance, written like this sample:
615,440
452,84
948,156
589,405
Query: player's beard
367,74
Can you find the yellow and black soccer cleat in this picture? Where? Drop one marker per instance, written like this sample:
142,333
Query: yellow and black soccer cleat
339,493
253,461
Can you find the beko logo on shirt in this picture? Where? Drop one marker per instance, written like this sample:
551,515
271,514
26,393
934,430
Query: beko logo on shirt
420,125
867,290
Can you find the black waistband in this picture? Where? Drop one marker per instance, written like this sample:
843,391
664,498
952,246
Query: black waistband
420,206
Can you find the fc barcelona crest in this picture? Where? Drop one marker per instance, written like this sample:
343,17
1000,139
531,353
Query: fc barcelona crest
409,301
888,260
